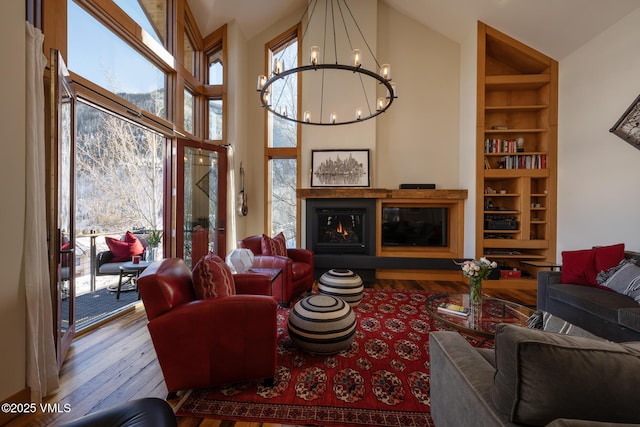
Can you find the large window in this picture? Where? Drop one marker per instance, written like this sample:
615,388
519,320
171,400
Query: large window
285,97
281,145
108,61
215,84
149,14
119,173
214,60
189,111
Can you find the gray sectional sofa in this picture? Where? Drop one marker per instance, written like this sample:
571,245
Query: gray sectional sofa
607,314
534,378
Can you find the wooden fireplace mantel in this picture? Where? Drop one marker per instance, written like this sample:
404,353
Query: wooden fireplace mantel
400,262
379,193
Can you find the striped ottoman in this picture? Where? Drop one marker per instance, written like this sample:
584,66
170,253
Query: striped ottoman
343,284
322,324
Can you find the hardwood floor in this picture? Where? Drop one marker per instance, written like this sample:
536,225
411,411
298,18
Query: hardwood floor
117,362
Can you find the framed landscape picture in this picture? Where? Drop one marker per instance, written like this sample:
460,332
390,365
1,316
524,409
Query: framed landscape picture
628,126
340,168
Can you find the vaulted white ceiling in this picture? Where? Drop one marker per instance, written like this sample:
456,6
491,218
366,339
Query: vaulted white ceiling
554,27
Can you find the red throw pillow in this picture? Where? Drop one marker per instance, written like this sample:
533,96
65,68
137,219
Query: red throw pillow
212,278
124,250
578,267
608,256
275,246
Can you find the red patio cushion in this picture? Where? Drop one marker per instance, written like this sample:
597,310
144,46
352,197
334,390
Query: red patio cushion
124,250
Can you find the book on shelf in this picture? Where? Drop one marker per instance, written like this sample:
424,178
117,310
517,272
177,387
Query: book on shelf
528,161
500,146
455,309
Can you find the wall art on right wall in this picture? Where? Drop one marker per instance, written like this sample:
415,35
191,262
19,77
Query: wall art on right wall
628,126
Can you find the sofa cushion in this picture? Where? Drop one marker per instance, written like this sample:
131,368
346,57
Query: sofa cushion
578,267
630,318
274,246
212,278
608,256
595,301
625,280
123,250
541,376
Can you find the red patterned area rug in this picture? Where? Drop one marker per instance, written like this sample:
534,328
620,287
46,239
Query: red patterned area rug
381,380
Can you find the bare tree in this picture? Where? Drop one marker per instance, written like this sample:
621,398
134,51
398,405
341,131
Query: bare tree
119,175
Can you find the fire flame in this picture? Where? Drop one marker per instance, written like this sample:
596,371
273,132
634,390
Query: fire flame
341,230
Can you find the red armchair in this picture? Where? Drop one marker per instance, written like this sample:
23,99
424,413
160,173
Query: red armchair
212,341
297,268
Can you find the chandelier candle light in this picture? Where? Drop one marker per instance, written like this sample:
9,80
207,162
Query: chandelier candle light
476,271
335,10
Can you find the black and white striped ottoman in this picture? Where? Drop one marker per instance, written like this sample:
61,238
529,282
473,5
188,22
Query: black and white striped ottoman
322,324
342,283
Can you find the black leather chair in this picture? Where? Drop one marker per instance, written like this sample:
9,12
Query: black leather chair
147,412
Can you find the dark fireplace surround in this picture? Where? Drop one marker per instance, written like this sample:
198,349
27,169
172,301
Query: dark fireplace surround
341,226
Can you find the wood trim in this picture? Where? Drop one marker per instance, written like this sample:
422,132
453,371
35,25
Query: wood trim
112,17
102,97
22,396
270,153
54,27
380,193
443,275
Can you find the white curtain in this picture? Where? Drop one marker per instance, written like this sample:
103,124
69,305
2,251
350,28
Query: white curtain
42,368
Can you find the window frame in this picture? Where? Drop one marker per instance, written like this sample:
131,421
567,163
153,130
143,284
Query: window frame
271,153
168,57
215,40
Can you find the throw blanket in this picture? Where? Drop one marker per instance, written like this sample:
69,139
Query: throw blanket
548,322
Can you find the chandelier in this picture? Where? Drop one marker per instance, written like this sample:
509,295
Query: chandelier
330,77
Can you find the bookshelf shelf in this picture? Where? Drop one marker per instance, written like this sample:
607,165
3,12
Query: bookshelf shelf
516,151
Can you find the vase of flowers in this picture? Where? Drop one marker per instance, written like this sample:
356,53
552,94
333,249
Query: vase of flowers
476,271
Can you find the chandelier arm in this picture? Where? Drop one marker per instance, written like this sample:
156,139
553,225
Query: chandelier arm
362,35
290,42
333,25
324,41
364,91
306,28
346,31
305,68
322,96
284,84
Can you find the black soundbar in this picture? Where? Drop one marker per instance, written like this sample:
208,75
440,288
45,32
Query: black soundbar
417,186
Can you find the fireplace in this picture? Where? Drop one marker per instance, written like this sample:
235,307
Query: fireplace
342,226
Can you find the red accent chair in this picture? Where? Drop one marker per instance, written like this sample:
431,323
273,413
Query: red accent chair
297,268
212,341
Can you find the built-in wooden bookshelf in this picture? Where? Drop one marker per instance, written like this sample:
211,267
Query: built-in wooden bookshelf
516,153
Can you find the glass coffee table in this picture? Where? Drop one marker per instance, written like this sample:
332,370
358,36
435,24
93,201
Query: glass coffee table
481,321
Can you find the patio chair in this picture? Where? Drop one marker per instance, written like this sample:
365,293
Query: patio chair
111,262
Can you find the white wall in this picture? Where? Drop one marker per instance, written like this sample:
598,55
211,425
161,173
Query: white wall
417,138
12,189
237,98
468,127
340,87
598,172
